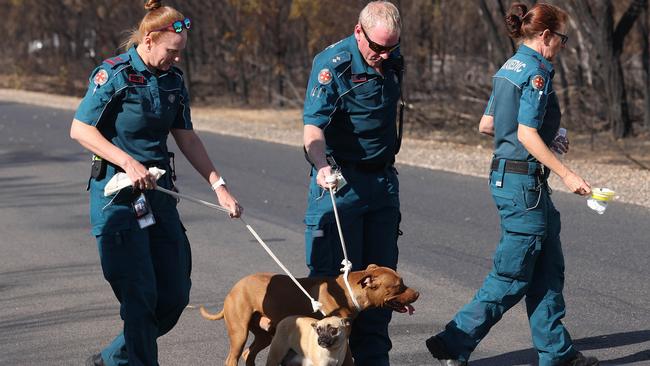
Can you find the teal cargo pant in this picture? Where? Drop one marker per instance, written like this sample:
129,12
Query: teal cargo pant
368,208
528,262
149,272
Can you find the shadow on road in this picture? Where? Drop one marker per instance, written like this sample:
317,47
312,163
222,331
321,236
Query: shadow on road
584,344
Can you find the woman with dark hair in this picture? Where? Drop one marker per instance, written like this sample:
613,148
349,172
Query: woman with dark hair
134,101
523,116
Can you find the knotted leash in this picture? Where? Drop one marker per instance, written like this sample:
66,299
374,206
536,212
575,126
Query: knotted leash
316,306
346,264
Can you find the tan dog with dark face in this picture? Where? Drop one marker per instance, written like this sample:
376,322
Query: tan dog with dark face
315,342
257,303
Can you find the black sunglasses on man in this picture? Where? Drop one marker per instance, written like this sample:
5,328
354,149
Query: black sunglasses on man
377,47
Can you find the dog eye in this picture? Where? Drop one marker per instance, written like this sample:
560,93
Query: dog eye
334,331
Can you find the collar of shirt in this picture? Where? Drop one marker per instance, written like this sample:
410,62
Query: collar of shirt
136,61
525,50
359,65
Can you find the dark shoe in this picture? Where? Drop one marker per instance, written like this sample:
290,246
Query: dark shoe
452,363
95,360
436,346
581,360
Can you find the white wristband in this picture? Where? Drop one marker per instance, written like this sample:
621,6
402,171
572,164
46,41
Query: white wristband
219,183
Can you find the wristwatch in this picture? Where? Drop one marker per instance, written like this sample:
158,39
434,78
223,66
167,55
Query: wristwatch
219,183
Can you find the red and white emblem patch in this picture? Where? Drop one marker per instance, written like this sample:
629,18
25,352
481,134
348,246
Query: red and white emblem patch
325,76
538,82
101,77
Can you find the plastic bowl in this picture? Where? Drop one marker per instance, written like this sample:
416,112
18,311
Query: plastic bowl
602,194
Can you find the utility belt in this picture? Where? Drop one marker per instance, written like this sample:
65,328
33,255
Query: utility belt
99,165
519,167
365,166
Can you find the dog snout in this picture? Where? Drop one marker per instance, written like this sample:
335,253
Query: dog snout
325,341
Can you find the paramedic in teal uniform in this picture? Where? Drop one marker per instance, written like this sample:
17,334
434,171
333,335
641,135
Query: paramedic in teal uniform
523,115
350,116
133,102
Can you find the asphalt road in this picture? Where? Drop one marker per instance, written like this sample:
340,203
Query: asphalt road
56,309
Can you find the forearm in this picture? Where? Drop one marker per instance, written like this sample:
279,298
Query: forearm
486,125
314,140
534,144
192,147
90,138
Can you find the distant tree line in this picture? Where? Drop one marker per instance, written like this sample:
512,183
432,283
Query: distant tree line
259,52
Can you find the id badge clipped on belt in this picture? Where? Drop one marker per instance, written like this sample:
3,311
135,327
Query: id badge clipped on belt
143,212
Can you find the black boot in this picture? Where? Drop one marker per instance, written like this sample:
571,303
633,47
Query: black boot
581,360
436,346
95,360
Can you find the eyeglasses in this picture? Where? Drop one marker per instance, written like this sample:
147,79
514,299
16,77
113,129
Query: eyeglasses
175,27
377,47
563,37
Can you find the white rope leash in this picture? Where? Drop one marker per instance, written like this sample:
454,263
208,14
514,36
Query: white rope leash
346,264
316,306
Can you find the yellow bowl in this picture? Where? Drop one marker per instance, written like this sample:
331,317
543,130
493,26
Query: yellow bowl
602,194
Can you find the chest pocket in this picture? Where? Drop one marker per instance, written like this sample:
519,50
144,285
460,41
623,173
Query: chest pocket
368,94
169,102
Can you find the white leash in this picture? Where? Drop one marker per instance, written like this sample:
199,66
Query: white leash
347,265
316,306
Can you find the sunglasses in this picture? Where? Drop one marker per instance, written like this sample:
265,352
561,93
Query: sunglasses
376,47
563,37
175,27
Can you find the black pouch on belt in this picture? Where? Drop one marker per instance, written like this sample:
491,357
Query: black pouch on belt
98,168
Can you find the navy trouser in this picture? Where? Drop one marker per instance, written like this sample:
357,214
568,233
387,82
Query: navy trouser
529,263
368,208
149,271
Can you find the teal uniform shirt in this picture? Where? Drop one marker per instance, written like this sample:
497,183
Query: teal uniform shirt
134,109
523,93
353,104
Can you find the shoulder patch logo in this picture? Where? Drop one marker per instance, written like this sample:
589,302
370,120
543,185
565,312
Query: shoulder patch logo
325,76
538,82
101,77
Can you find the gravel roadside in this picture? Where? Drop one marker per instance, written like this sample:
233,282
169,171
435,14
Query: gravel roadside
631,184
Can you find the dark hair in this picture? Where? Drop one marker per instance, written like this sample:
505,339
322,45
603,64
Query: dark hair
157,17
524,23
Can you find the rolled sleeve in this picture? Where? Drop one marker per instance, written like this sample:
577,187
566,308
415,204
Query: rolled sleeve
94,103
532,105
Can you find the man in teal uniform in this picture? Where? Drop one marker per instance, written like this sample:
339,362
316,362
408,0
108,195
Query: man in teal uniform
349,115
134,101
523,115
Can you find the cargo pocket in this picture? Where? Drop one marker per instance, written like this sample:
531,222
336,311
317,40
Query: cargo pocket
516,255
319,249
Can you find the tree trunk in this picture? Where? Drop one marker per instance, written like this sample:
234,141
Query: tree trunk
500,51
645,60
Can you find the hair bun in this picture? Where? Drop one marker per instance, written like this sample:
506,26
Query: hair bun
152,5
514,19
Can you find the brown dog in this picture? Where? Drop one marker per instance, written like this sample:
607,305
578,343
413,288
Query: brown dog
271,297
313,342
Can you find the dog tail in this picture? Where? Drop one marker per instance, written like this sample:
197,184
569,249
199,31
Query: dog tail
209,316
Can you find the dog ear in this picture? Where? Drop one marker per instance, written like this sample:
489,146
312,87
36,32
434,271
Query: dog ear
371,267
314,325
368,281
345,322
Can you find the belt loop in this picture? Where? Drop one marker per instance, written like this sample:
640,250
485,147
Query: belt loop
532,168
501,171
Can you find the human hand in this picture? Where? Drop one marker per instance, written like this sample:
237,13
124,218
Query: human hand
576,184
560,144
140,176
321,177
226,200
